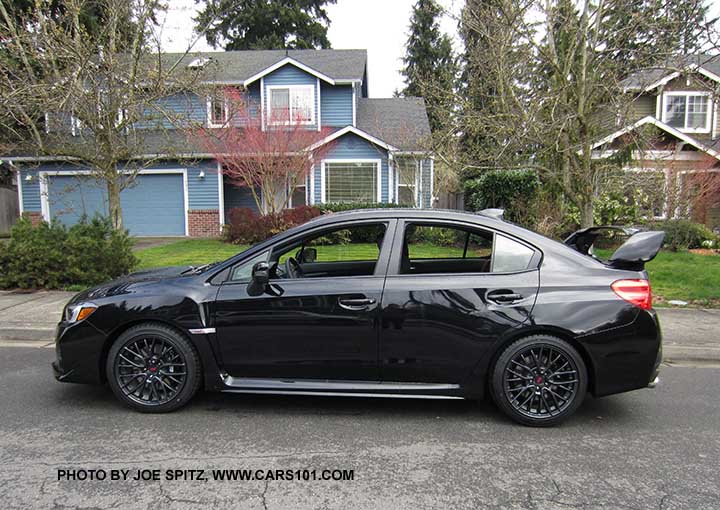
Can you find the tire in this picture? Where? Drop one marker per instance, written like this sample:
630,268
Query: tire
531,388
153,368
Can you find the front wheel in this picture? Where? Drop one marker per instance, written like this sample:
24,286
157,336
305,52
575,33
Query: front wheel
539,381
153,369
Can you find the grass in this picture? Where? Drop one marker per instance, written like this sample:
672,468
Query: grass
674,275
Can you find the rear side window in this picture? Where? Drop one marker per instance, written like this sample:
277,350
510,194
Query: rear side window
510,255
441,248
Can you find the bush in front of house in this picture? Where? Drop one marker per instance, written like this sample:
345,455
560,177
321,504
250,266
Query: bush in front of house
52,256
332,207
246,226
511,190
683,234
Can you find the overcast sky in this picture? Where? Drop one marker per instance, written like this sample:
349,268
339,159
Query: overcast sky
379,26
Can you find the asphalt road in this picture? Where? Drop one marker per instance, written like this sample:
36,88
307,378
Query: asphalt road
654,449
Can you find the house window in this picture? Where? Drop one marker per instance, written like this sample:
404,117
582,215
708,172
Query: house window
289,105
217,110
351,181
687,111
407,182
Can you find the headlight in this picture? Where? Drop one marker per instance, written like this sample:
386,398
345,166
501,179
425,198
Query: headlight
78,312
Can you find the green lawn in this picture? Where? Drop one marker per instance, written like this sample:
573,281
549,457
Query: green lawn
682,275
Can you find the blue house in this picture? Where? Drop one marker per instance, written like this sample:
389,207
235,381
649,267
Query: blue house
377,154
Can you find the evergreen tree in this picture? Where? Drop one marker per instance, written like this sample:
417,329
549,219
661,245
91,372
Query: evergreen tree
264,24
430,67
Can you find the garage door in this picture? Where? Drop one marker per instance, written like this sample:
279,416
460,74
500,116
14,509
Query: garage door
154,206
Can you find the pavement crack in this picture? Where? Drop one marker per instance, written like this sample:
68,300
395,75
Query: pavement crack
264,493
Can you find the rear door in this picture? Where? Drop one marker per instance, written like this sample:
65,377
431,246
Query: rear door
452,290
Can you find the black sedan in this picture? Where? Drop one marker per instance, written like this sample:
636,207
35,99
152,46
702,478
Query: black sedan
384,303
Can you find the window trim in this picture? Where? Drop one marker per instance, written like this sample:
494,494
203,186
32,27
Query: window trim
226,111
378,175
290,89
686,94
394,263
416,189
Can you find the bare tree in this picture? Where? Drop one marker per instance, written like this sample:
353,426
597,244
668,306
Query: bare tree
271,157
543,86
95,101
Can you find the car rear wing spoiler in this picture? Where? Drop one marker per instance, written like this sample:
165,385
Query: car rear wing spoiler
633,254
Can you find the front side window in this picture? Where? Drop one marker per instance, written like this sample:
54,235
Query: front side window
351,182
243,271
407,182
290,105
345,251
687,111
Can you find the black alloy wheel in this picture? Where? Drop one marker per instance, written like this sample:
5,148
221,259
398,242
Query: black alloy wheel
153,368
539,380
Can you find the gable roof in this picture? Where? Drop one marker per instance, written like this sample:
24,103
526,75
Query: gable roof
651,78
244,66
399,121
661,125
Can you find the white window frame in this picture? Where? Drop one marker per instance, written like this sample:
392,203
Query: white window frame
378,175
75,125
416,190
686,94
226,111
290,89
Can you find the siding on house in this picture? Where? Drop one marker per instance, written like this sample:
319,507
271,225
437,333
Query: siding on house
336,103
426,183
291,75
352,147
176,110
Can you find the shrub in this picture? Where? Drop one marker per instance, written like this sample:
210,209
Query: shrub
343,206
245,226
684,234
512,190
52,256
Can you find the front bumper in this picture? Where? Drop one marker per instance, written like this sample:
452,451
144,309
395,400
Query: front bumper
78,352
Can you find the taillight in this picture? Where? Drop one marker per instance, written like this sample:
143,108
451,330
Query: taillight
636,292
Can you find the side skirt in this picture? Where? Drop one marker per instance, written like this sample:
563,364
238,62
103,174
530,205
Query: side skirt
326,388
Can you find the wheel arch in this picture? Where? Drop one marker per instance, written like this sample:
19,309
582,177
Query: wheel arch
209,364
488,364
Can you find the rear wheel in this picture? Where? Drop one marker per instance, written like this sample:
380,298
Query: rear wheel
153,368
539,381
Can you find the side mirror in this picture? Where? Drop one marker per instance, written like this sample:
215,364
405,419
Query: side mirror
309,255
259,279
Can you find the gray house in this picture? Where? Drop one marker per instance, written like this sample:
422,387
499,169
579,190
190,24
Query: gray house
377,152
673,119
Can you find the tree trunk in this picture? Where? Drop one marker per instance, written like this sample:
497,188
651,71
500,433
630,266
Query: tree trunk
114,206
586,214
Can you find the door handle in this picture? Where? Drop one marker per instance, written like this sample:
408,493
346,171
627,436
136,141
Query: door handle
356,304
503,297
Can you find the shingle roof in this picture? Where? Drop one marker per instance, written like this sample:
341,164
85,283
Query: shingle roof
234,66
400,121
647,77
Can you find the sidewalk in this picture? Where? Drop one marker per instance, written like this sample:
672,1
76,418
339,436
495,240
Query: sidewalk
689,335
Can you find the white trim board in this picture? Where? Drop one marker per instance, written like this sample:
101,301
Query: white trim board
655,122
45,204
221,195
356,131
291,61
378,175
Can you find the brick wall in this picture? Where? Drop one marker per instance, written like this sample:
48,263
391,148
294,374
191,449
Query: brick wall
204,223
35,217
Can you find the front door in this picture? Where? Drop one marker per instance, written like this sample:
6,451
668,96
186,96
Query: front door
451,292
318,322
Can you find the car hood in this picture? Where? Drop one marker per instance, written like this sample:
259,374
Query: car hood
126,284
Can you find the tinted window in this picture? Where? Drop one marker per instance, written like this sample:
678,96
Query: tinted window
243,271
510,255
443,249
